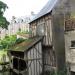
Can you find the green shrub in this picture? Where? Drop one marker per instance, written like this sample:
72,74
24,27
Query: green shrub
7,42
19,40
24,32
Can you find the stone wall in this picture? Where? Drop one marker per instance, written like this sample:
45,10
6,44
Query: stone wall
70,36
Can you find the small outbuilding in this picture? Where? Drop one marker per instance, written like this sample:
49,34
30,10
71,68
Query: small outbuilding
26,57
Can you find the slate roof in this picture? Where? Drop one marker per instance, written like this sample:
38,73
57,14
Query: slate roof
46,9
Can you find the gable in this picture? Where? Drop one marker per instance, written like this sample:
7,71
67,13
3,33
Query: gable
46,9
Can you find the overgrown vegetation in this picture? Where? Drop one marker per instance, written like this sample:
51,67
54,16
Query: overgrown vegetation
24,32
6,44
19,40
9,41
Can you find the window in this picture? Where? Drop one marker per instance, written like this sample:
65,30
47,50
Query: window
73,43
40,30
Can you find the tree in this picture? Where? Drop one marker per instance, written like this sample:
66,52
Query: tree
3,21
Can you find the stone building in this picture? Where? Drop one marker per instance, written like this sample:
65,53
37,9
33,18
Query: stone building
16,25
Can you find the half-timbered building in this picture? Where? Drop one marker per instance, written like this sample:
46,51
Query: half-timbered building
41,26
38,57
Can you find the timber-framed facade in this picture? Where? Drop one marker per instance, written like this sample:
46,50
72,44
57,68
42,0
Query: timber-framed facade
41,25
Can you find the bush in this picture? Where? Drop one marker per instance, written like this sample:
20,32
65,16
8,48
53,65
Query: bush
19,40
7,42
24,32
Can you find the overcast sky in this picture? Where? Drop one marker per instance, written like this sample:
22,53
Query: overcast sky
20,8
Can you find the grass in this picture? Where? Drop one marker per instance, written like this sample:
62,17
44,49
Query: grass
2,52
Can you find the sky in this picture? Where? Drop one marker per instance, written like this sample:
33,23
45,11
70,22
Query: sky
20,8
